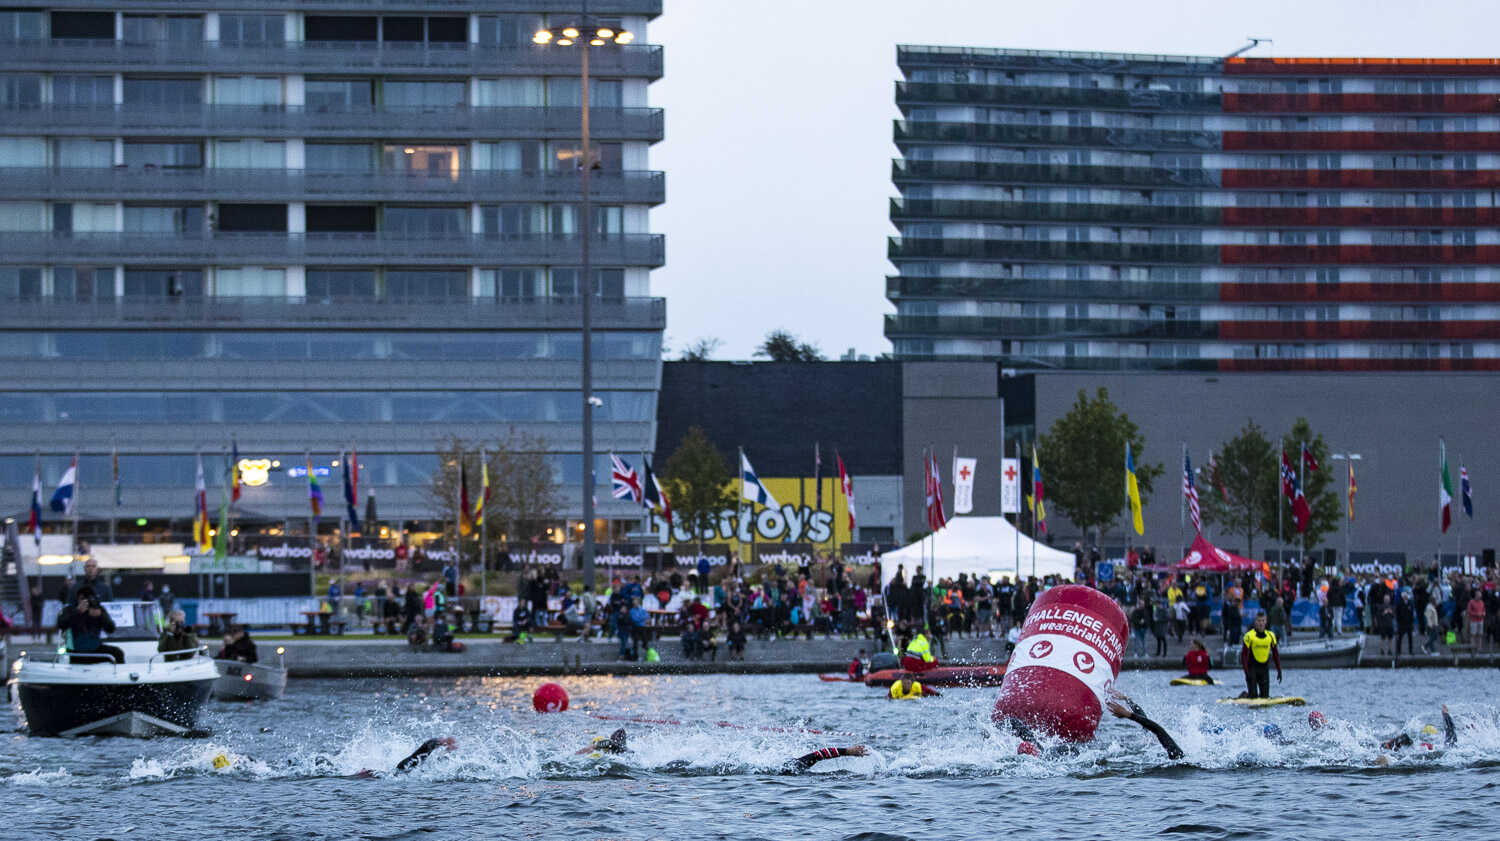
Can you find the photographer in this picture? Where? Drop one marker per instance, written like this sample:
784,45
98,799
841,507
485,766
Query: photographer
238,646
83,624
177,637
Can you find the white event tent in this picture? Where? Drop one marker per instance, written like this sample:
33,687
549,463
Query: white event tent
985,546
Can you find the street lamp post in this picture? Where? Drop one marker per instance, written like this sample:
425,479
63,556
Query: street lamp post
1348,504
586,35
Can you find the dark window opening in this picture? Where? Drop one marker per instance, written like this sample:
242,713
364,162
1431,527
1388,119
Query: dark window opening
448,30
83,25
341,218
341,28
163,283
252,217
402,29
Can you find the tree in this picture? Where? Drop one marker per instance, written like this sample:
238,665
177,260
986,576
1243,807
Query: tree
524,497
701,350
1083,462
698,484
1247,470
782,346
1318,487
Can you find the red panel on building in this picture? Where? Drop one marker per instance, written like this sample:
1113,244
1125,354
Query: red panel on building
1361,141
1380,179
1417,217
1362,67
1360,103
1332,293
1324,255
1299,331
1228,365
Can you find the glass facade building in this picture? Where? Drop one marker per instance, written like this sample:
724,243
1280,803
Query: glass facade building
308,226
1095,211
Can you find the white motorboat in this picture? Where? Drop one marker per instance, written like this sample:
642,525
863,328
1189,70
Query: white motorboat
1330,652
242,681
152,692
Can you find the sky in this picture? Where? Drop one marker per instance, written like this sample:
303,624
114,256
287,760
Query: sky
778,131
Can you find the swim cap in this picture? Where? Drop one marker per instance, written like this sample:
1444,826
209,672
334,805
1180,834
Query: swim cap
1429,730
1028,748
1316,720
1271,731
221,761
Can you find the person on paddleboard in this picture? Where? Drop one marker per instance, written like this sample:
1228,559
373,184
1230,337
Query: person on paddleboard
1198,662
1257,653
618,743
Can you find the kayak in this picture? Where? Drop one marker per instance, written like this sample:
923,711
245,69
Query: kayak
1195,681
990,675
1288,700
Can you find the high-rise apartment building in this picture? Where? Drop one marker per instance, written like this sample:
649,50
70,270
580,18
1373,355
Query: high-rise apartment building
1065,210
305,226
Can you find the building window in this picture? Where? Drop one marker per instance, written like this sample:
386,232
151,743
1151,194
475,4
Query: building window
341,28
83,25
247,90
509,92
20,90
164,93
23,151
164,219
508,30
171,155
426,284
172,29
340,157
338,94
603,93
423,159
258,218
334,284
83,90
250,282
252,29
83,283
250,154
163,283
26,26
422,94
341,218
423,222
20,282
512,285
513,221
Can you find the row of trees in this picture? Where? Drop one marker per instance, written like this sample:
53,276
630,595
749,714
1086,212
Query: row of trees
1082,457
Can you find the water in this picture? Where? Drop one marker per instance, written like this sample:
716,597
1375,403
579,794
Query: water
936,769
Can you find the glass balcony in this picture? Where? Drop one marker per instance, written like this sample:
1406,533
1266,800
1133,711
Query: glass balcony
221,248
1051,175
136,183
1019,362
633,60
1098,252
649,8
1113,138
904,209
297,121
946,93
268,312
935,326
898,287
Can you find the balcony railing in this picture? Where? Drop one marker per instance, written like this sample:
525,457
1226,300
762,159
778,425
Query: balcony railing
898,287
630,187
1008,249
915,93
1020,362
267,312
1112,138
343,248
330,121
904,209
632,60
649,8
901,326
1052,174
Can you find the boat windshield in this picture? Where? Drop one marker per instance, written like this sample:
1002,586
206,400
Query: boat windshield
135,620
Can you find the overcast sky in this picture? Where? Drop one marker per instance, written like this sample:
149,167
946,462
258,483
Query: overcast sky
778,130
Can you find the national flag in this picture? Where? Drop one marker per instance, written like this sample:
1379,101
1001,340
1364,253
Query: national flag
936,519
1133,492
35,524
652,495
234,471
484,488
1038,506
314,492
1353,487
1445,487
114,472
351,485
62,498
817,477
848,482
202,530
1308,460
1463,489
751,488
1190,493
1292,490
625,481
1213,474
465,522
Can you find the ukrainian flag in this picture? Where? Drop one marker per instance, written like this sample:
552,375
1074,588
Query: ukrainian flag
1133,492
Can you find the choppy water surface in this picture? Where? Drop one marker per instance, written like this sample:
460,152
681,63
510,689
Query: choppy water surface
937,769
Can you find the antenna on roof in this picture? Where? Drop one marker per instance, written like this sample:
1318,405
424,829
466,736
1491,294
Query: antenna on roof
1254,42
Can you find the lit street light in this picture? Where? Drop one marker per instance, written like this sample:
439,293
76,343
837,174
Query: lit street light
586,34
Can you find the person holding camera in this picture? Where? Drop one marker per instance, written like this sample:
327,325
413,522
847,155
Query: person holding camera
177,638
83,623
238,646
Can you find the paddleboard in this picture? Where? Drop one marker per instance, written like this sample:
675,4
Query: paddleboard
1288,700
1195,681
827,678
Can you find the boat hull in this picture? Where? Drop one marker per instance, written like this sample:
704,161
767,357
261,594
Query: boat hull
950,676
52,708
248,681
1344,652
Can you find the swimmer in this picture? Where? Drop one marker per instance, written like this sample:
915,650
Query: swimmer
1401,740
907,688
420,755
616,743
1198,662
857,666
1122,707
322,763
1256,655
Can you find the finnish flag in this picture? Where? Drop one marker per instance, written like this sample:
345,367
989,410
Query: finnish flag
753,490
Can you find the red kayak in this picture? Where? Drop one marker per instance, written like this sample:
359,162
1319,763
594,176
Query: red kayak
990,675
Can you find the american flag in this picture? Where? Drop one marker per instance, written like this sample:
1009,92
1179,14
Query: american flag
1190,492
626,482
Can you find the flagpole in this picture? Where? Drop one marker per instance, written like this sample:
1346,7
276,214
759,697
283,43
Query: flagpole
1182,506
1280,504
114,475
312,531
1035,504
1302,486
484,529
1458,535
1018,512
739,513
458,507
77,500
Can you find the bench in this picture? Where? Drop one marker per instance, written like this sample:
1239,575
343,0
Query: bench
321,623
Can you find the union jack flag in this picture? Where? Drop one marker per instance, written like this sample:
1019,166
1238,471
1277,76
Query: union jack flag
1190,492
626,482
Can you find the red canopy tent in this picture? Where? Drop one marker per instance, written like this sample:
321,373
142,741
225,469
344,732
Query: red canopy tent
1203,556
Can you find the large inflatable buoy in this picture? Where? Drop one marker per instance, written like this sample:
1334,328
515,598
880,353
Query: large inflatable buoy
549,698
1066,660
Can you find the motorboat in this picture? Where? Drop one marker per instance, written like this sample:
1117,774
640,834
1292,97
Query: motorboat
948,676
241,681
1329,652
151,693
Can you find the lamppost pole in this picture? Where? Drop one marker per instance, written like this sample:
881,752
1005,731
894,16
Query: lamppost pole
1348,505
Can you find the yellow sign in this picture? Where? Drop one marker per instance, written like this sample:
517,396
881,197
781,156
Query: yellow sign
794,519
255,472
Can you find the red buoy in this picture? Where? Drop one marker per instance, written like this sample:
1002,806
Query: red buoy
1066,660
549,698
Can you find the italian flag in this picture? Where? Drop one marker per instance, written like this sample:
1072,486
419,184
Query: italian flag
1445,486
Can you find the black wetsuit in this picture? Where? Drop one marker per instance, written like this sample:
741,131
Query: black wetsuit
1167,743
1450,737
418,756
806,761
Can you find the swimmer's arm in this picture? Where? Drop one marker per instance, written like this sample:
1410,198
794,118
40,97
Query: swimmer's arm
1276,658
1134,713
806,761
929,692
1450,733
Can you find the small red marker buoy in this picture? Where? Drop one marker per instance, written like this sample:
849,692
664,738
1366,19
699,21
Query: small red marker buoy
549,698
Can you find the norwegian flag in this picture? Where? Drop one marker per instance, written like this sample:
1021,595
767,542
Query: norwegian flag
935,518
1308,460
1292,490
1190,492
626,482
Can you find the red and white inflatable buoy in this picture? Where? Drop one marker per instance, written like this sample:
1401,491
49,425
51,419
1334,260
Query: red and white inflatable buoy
1066,660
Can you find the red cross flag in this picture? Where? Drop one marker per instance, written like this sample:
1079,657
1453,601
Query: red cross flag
963,485
1010,486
